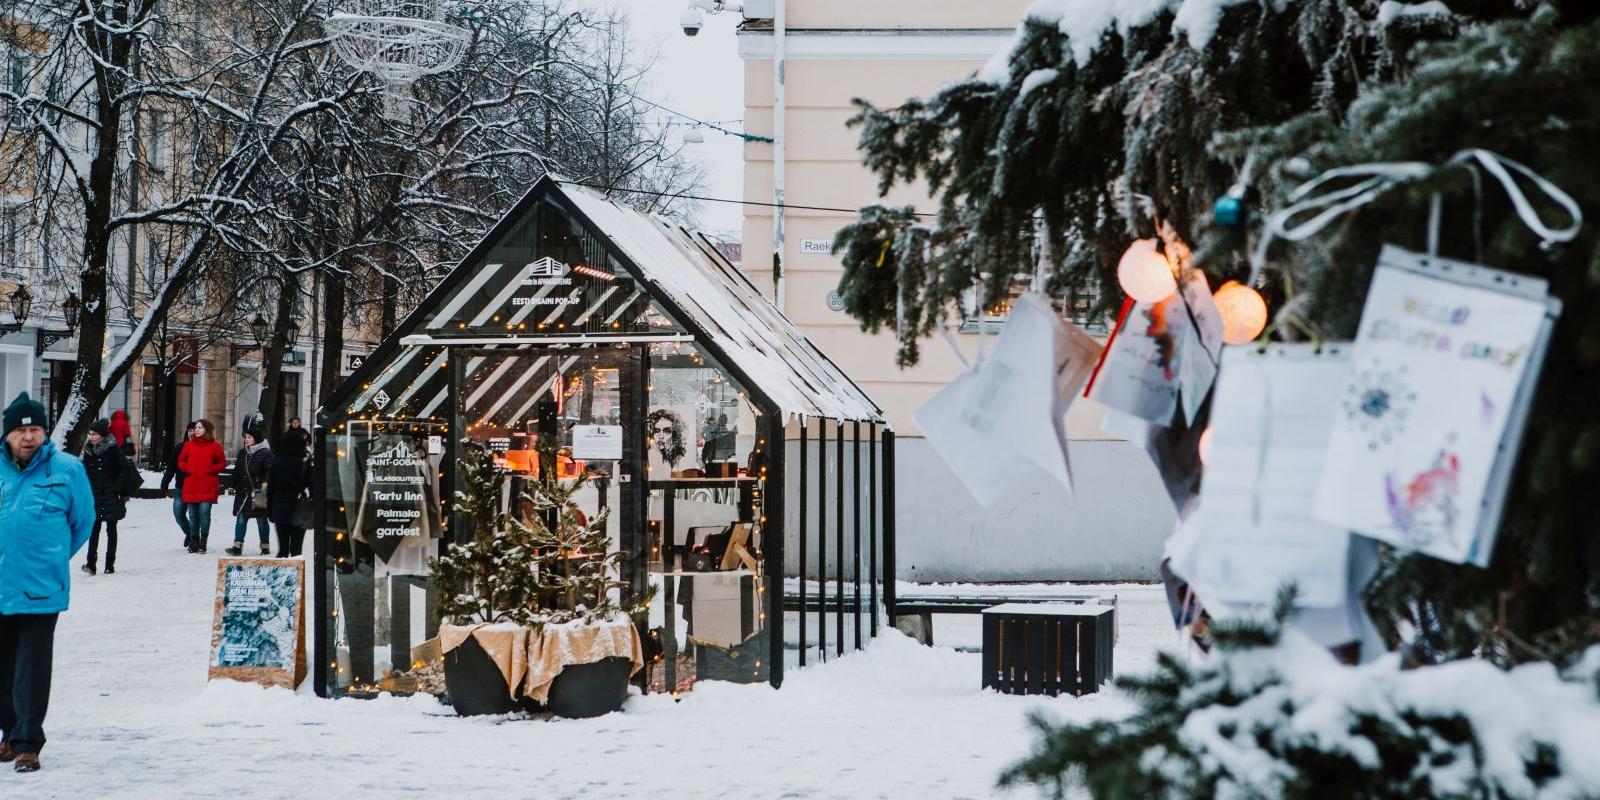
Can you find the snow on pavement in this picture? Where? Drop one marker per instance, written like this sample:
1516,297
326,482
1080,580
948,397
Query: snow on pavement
132,715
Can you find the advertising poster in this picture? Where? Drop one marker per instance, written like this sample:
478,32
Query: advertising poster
398,505
258,629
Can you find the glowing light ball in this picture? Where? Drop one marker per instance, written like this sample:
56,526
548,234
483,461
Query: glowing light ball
1205,446
1144,273
1243,312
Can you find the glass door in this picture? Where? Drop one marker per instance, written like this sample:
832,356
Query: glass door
583,399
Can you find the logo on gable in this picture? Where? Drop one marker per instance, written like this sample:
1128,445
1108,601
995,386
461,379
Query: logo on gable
547,267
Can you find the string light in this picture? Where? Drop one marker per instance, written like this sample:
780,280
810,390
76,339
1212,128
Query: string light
1145,274
1243,312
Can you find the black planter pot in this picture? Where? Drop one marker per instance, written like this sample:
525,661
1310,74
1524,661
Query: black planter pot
589,690
473,682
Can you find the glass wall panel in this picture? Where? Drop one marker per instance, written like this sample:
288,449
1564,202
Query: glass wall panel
384,515
706,468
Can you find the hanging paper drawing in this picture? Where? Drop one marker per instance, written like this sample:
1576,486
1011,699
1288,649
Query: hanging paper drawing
1424,441
1425,507
1010,408
1377,402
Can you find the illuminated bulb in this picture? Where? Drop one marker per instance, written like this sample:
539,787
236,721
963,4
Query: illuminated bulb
1144,273
1243,312
1205,446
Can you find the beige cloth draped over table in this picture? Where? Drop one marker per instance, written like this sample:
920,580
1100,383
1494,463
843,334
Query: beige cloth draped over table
554,647
533,658
506,644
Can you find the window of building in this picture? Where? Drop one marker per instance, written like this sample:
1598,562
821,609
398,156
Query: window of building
1077,305
13,241
156,147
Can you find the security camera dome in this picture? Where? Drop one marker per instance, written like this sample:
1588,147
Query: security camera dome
692,19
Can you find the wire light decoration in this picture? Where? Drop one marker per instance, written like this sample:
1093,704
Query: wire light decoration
397,41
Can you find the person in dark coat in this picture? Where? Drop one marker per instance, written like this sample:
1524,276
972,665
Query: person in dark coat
251,468
299,433
286,484
112,477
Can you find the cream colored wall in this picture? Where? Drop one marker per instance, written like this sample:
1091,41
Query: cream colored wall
823,168
904,13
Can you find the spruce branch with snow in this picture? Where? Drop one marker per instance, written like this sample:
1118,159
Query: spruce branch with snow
1273,715
1125,109
1105,119
540,563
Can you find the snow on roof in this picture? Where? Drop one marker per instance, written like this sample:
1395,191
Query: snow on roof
761,342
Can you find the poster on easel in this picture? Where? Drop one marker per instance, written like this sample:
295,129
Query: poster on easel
258,628
1432,410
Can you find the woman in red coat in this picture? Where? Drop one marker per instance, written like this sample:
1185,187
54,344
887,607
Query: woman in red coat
122,431
200,461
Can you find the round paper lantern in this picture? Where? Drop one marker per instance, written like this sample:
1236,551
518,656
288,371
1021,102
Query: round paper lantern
1205,446
1145,274
1243,312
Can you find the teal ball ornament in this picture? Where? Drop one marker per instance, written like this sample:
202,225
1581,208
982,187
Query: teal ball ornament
1229,212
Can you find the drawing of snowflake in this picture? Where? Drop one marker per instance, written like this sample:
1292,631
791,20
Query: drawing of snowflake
1378,402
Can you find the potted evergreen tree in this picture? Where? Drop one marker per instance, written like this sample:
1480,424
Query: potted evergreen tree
539,583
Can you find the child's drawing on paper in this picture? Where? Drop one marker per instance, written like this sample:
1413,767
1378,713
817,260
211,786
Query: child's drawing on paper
1162,332
1425,508
1377,403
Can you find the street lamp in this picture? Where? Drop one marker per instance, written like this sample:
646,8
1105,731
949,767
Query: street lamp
21,300
258,327
45,336
69,311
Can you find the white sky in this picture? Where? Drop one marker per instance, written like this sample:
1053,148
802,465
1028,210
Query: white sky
701,76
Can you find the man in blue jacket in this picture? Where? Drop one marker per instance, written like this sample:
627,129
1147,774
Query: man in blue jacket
46,512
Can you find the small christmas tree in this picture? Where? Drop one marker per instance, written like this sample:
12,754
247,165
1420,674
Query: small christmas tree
541,562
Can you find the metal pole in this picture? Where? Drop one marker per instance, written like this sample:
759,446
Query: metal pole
855,500
772,533
779,27
804,471
873,578
838,532
888,523
320,563
822,540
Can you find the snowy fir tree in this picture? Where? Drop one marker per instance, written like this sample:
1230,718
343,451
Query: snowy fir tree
1104,120
543,562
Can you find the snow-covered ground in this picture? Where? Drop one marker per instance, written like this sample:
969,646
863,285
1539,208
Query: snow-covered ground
132,715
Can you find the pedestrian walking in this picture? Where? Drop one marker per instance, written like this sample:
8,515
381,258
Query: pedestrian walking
112,477
46,513
250,470
201,461
175,475
300,435
122,431
286,484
